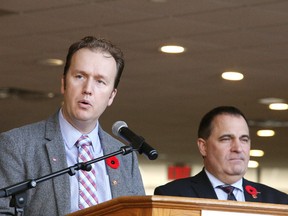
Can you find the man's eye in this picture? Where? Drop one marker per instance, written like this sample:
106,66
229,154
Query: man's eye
225,138
101,82
245,140
78,76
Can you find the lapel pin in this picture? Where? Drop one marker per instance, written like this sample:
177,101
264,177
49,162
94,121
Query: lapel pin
252,191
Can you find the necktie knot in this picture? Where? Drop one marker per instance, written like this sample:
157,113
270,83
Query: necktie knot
84,140
229,190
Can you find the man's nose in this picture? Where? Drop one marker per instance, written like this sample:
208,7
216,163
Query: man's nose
87,89
236,145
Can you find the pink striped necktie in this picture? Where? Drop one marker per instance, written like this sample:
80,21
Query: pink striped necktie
87,180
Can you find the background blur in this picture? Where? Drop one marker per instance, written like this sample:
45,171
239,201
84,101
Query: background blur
161,96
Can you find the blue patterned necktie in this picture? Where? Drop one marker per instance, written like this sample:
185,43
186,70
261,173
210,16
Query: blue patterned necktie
229,190
87,179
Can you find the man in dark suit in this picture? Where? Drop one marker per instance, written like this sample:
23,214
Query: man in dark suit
224,143
89,85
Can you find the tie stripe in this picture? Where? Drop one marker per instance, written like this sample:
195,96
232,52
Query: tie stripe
87,180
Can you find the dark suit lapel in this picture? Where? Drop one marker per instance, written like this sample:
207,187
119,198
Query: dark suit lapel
248,196
202,186
57,156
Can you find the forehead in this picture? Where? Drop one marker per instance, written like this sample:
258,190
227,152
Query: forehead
93,58
229,123
84,52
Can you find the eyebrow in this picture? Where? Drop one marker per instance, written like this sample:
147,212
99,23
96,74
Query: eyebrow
231,135
226,135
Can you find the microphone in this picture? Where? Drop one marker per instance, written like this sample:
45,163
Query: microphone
120,129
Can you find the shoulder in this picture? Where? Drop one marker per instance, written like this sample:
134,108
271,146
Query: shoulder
175,188
262,187
32,128
268,194
30,133
184,182
28,129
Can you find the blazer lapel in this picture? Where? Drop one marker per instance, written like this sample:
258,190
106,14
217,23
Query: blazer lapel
114,174
203,186
249,197
57,156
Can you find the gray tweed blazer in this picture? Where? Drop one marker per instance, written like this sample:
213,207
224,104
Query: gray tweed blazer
37,149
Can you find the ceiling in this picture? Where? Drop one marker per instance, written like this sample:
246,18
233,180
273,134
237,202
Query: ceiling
161,97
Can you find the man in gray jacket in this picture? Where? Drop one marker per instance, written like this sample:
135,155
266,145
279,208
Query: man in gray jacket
89,85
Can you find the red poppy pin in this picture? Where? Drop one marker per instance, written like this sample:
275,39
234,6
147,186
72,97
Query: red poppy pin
113,162
252,191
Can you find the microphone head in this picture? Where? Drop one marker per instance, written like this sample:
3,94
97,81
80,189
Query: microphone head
117,126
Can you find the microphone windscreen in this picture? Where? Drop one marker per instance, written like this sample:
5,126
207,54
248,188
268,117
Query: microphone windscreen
117,126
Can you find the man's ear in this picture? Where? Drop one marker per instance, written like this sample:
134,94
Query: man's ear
63,85
112,96
202,146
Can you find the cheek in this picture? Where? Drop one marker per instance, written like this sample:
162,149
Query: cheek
247,151
217,154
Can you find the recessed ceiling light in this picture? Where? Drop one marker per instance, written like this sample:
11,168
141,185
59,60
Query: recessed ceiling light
52,62
253,164
278,106
232,75
265,133
256,153
172,49
270,100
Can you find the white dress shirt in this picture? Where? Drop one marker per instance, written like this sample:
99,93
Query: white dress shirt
238,191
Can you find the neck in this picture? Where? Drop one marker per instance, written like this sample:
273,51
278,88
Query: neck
225,178
83,127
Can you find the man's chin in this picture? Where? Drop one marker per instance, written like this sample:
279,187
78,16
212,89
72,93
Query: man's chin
238,170
84,117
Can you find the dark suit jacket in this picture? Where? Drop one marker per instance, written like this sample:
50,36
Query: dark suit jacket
200,186
36,150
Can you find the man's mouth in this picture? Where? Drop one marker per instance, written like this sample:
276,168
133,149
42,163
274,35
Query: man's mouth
84,102
236,159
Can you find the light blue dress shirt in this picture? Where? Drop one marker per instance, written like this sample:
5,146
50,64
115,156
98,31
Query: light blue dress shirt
70,136
238,191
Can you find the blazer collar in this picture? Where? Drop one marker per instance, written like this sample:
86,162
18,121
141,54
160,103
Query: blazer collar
203,186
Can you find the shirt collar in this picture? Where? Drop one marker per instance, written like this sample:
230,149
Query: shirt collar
71,134
216,182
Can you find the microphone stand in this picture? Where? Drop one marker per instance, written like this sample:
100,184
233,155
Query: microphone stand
18,191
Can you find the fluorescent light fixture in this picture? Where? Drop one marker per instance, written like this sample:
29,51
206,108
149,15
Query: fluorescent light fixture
172,49
253,164
232,75
265,133
256,153
278,106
